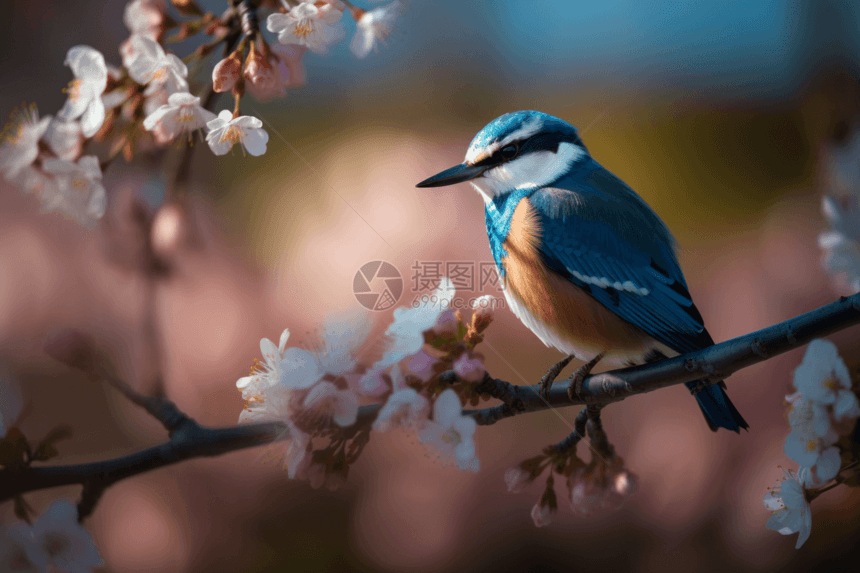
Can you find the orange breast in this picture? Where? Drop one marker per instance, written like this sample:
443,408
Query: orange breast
560,313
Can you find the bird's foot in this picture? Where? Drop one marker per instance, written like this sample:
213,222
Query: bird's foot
551,375
575,388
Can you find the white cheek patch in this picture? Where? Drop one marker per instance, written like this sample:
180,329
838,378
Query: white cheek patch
532,170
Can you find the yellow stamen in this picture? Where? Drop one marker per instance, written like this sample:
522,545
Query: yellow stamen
74,89
302,30
232,134
18,121
452,436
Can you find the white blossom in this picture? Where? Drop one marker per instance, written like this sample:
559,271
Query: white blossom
225,131
19,552
822,408
451,432
516,478
421,364
339,405
64,138
289,59
810,442
308,25
470,369
182,114
374,27
404,408
822,374
406,334
68,546
35,181
85,92
484,306
155,69
268,373
542,514
297,459
608,490
791,511
144,17
19,143
78,188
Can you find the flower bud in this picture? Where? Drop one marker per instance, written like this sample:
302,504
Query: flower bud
226,73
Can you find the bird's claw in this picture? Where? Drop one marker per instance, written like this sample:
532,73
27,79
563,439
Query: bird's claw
551,375
574,391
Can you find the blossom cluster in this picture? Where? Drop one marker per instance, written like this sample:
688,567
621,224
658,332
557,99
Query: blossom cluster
841,208
146,102
602,484
823,408
316,394
55,540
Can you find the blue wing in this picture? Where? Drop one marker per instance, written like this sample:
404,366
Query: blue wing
601,236
621,253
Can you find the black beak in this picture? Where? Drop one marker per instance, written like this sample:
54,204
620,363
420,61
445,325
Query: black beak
456,174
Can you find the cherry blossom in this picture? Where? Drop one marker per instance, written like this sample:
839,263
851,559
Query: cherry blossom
267,373
297,459
182,114
517,479
65,138
822,408
225,131
469,368
307,24
406,334
85,92
484,306
421,365
451,432
373,27
328,400
289,60
144,17
264,78
19,144
594,490
68,546
542,515
791,511
78,189
226,73
840,245
404,408
19,552
157,70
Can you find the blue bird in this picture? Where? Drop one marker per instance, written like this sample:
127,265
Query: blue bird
586,264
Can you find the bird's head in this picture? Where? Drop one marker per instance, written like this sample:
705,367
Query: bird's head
522,149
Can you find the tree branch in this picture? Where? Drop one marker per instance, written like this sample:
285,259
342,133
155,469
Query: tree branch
190,440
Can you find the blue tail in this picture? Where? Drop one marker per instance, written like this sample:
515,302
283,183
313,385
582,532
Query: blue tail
718,409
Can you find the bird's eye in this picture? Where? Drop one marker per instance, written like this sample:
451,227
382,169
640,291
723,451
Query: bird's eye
509,152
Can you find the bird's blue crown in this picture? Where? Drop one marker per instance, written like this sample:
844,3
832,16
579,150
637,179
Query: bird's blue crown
517,125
